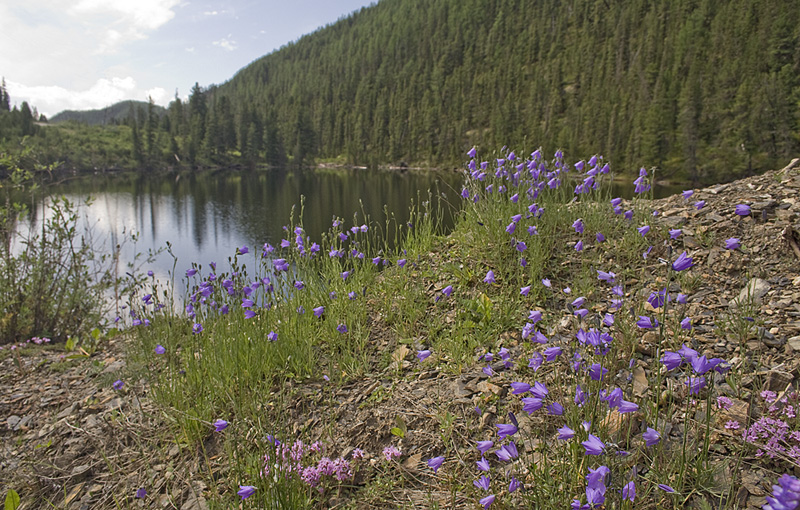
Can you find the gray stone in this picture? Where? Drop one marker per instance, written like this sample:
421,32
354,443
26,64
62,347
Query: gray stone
766,336
114,367
764,204
78,473
778,380
13,421
114,403
67,411
755,290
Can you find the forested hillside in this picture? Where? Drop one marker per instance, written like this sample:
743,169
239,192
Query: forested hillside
704,89
115,114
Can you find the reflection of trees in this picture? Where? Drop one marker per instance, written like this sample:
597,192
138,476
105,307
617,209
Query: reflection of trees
205,210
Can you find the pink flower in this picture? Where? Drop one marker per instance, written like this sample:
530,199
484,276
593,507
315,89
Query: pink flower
391,452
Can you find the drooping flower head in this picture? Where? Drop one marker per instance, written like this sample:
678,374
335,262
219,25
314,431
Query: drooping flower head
732,243
695,384
565,433
220,425
245,491
606,276
645,322
684,261
629,491
487,501
504,430
484,446
593,445
651,437
435,463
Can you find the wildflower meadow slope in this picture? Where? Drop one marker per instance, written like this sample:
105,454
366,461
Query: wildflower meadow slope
561,347
548,344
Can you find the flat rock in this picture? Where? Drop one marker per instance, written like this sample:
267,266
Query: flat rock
754,292
13,421
778,380
640,383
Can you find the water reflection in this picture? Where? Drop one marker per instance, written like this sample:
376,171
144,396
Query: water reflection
205,216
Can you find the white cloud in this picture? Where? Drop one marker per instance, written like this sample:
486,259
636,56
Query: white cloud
210,13
62,47
226,44
140,15
105,92
159,95
115,22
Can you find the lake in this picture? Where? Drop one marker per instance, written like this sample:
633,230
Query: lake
207,215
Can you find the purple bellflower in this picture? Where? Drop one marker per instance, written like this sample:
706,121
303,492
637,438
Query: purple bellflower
435,463
785,495
684,261
593,445
245,491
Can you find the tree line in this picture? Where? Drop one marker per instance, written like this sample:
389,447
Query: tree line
704,90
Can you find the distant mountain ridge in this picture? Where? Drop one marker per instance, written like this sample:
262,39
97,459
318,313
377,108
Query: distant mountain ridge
117,113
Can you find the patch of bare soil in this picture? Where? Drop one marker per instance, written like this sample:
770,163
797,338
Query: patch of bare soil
68,439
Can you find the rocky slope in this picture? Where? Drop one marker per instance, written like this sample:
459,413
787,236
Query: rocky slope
71,440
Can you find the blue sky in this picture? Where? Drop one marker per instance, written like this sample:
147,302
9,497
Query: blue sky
85,54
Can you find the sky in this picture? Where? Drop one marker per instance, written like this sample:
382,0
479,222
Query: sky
89,54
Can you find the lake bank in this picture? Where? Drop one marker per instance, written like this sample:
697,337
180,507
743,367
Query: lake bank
436,397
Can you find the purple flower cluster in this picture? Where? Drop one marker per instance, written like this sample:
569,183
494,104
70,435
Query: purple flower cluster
308,463
700,365
774,436
505,453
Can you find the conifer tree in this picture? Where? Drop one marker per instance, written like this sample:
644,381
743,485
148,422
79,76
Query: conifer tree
5,99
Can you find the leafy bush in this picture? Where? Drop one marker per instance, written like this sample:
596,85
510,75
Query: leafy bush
54,278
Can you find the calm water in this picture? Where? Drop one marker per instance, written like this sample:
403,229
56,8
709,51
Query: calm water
206,216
